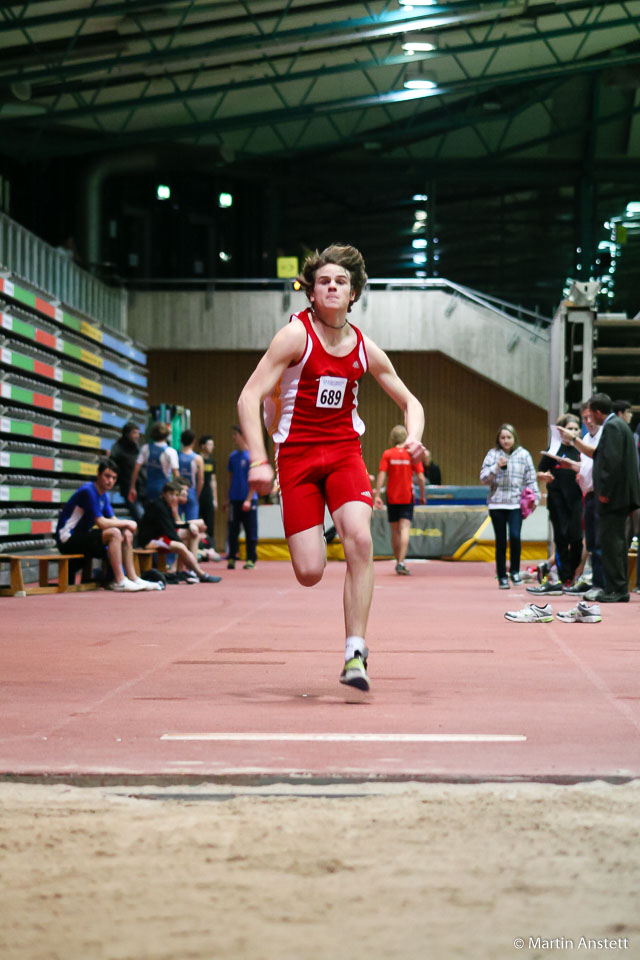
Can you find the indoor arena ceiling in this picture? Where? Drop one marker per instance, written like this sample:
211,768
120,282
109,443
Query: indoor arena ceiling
510,107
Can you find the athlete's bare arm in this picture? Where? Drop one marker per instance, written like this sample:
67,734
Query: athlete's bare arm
377,499
105,523
577,442
286,347
382,369
199,474
132,496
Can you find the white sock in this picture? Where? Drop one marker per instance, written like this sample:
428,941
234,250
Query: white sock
352,646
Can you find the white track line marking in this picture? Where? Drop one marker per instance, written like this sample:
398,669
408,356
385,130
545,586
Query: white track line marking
351,737
597,682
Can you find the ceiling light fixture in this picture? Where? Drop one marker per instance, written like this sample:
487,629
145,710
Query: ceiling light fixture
416,78
417,43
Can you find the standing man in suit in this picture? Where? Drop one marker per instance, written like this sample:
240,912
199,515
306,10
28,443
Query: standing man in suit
616,485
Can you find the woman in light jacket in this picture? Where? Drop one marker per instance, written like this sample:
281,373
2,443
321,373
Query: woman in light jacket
507,469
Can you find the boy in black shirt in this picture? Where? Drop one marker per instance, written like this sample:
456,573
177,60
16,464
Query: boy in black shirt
157,531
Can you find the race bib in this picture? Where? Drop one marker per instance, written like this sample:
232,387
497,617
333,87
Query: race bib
331,392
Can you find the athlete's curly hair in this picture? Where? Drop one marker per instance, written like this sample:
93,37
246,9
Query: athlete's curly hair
344,256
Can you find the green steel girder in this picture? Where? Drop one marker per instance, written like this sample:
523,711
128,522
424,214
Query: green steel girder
429,126
110,10
206,92
445,123
363,24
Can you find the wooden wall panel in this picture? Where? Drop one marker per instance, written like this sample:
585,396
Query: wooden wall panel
463,410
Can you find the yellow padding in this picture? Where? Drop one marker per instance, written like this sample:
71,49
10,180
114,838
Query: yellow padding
474,550
462,550
278,550
479,552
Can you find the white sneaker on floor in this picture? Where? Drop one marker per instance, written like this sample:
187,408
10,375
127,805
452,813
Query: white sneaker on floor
532,613
125,586
148,584
583,613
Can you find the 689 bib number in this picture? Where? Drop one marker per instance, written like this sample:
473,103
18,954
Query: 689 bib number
331,392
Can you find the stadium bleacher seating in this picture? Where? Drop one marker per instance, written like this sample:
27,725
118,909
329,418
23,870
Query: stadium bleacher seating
67,386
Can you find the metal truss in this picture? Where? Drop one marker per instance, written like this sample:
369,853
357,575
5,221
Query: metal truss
254,71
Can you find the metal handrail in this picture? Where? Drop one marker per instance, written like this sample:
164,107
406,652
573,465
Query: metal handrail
533,322
51,271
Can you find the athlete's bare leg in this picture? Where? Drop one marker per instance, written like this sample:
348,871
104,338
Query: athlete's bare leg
308,551
353,523
112,539
400,538
127,555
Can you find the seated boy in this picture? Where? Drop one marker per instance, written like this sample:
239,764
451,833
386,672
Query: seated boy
87,525
158,532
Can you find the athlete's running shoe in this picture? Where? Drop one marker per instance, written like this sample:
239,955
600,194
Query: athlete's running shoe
403,570
577,589
531,614
149,584
354,672
125,586
583,613
547,589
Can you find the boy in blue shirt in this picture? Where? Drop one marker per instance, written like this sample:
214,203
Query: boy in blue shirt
243,503
87,525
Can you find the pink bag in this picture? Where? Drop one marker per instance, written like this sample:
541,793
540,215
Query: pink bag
527,501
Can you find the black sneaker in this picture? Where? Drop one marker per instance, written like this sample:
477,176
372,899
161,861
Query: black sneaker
354,672
503,583
578,589
547,589
542,572
207,578
516,578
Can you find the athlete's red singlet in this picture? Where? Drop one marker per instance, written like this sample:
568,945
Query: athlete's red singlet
317,398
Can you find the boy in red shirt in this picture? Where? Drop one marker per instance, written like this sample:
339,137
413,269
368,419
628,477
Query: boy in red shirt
397,467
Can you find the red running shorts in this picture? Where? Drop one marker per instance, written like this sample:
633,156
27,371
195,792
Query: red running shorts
312,475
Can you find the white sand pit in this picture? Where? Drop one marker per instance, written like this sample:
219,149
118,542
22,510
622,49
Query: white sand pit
408,871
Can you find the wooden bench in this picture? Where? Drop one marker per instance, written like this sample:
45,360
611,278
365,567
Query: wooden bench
18,587
143,560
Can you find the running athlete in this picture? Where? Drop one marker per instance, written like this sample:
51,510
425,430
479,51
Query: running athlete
308,380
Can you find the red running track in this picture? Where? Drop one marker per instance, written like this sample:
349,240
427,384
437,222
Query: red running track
239,679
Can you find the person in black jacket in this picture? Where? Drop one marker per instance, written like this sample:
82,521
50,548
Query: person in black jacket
125,452
564,503
617,487
157,531
432,474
